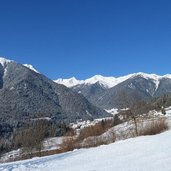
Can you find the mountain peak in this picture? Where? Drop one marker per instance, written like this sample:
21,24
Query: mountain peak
97,77
4,61
70,82
105,81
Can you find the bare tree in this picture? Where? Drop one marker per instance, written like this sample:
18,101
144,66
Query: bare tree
131,109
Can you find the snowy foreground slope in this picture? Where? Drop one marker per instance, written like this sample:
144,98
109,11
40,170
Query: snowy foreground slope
147,153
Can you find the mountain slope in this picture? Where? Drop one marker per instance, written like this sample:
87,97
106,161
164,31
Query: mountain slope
134,90
144,153
26,94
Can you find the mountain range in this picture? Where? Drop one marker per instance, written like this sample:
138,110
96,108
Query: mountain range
111,92
26,94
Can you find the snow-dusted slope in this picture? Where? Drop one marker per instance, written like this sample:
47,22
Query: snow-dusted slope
155,78
109,82
146,153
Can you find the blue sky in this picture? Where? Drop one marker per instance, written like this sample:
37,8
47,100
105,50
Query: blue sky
81,38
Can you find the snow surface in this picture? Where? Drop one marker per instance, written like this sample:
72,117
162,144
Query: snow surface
146,153
109,82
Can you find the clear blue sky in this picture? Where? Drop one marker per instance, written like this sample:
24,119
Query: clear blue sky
64,38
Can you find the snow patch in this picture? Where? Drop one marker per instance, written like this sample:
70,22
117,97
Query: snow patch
113,111
88,113
30,67
4,61
11,88
52,143
43,118
131,86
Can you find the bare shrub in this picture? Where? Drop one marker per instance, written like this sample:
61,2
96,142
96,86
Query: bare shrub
89,137
125,134
93,142
68,144
70,132
154,127
93,130
98,140
30,139
4,145
96,130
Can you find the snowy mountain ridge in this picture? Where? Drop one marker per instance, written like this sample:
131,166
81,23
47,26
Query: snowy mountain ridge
30,67
107,82
4,61
110,82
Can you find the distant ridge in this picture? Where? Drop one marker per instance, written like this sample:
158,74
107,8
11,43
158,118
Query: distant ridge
110,92
109,82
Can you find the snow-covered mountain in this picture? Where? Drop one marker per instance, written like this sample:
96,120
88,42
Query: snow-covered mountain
111,92
109,82
26,95
4,62
69,82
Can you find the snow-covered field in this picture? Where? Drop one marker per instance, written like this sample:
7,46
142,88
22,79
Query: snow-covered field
131,154
146,153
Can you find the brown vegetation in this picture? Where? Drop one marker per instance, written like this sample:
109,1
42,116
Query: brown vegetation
68,144
96,130
89,136
154,127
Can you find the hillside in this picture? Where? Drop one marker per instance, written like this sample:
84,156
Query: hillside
26,94
30,100
144,153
